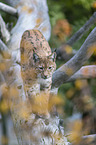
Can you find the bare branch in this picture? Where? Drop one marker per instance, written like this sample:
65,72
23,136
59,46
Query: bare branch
65,52
74,64
86,72
82,30
8,9
78,35
90,136
3,47
5,33
90,139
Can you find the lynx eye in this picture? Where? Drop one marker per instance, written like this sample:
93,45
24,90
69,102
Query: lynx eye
50,67
41,68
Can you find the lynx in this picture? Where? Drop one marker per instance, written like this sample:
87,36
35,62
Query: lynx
37,65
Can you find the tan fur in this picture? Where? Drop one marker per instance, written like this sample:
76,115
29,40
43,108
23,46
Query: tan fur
37,63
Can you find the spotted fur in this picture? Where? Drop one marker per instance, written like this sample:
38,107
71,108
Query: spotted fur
37,63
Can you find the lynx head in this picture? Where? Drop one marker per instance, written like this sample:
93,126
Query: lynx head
44,66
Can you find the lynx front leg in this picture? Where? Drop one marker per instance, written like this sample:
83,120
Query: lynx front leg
37,99
32,90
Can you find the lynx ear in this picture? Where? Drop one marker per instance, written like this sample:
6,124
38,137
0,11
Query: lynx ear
35,57
53,56
26,34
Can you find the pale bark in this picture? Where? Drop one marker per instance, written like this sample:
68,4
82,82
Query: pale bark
75,63
86,72
3,47
8,9
4,31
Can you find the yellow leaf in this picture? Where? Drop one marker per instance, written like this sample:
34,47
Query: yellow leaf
25,8
55,100
70,93
76,132
91,50
2,66
40,104
75,137
80,84
4,140
68,71
4,106
94,5
14,92
38,20
44,29
68,49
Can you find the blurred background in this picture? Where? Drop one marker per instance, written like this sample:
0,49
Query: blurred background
79,109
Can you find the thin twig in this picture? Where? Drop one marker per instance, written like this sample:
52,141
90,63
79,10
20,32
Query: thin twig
5,33
8,9
82,30
77,36
90,136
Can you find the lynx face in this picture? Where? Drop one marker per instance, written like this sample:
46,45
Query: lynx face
44,66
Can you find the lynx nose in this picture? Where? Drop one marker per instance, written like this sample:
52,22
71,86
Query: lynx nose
45,77
45,74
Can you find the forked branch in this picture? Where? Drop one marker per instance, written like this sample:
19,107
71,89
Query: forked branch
76,62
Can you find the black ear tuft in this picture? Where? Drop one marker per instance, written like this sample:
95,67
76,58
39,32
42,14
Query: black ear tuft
35,57
54,50
53,56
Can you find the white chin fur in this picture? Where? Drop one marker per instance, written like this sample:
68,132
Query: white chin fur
44,81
